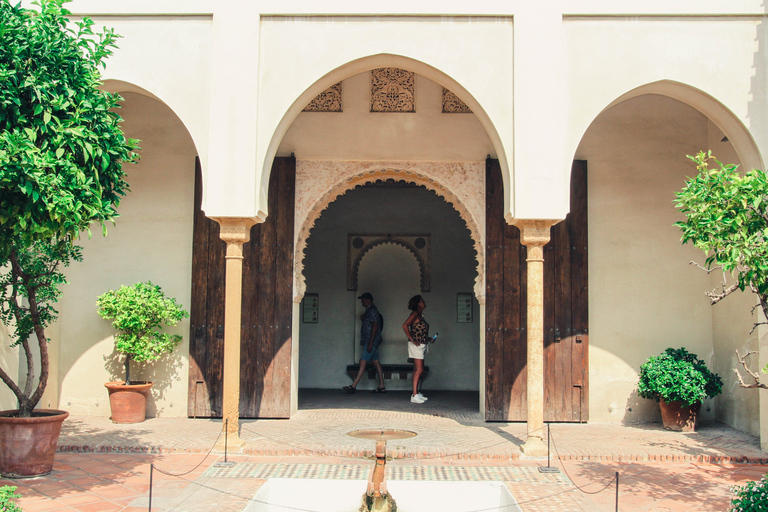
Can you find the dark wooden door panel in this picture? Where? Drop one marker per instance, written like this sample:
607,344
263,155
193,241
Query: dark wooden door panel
565,309
265,343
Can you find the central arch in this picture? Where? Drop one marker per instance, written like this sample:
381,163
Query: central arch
368,63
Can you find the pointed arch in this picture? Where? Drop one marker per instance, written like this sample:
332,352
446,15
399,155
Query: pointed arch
367,63
723,117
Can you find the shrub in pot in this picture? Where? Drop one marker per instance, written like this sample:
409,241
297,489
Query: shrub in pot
138,312
679,381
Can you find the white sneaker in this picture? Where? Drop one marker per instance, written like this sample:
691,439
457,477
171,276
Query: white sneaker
417,399
422,397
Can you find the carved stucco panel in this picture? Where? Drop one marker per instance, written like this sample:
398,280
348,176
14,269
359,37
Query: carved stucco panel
320,182
327,101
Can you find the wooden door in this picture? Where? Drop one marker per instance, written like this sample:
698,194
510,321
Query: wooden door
565,309
267,307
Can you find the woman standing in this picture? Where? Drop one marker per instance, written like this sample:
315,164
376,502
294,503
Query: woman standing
417,330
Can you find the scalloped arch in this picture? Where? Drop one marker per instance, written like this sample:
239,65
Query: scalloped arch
384,240
341,188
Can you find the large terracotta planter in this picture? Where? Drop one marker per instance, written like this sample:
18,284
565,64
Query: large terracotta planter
128,402
678,417
28,445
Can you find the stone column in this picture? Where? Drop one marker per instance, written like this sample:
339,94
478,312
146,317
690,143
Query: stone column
534,234
235,232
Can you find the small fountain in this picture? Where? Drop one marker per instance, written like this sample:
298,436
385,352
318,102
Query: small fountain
376,497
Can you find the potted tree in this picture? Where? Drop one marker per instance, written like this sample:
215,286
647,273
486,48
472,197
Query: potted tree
679,381
61,157
138,312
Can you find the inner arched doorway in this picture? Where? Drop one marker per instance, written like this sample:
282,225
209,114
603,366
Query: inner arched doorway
389,212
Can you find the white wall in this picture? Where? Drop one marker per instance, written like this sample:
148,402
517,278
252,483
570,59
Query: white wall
152,240
328,346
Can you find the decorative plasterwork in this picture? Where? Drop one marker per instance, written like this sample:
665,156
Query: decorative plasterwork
453,105
392,90
320,182
327,101
418,245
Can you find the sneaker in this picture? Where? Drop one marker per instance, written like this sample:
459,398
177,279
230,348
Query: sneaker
422,397
417,399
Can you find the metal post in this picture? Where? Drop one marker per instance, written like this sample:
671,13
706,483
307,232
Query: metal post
548,442
548,469
151,470
617,491
225,464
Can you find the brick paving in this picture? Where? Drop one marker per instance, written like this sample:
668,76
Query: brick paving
103,466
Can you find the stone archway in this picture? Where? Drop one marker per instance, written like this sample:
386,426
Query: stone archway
318,184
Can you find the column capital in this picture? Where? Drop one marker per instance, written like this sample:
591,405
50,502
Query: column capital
235,230
534,232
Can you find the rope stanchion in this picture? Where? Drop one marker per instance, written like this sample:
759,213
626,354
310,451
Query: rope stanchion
151,471
225,463
548,469
617,491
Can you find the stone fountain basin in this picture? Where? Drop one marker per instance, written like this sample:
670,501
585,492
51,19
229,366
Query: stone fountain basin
323,495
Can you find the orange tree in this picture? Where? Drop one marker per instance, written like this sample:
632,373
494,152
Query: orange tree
61,157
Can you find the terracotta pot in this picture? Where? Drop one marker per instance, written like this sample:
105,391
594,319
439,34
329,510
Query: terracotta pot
28,445
128,403
678,417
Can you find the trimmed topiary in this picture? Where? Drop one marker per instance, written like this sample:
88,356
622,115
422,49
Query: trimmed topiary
678,376
138,313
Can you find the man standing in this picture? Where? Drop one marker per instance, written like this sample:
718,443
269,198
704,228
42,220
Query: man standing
370,339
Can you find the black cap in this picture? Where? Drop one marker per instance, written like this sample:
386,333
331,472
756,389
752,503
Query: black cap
366,295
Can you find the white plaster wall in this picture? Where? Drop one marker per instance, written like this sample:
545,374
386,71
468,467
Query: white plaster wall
328,346
152,240
643,294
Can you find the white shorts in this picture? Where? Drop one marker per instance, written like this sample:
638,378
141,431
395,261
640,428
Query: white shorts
415,352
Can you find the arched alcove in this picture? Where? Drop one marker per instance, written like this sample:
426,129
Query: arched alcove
636,149
151,240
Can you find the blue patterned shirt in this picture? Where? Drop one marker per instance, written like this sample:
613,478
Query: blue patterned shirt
370,316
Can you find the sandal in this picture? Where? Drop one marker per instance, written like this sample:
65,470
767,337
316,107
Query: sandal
379,390
349,389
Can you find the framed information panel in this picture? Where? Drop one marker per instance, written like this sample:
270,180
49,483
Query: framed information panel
309,308
464,303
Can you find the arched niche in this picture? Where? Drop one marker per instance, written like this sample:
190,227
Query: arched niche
417,245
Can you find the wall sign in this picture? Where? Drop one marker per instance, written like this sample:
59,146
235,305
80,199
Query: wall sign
309,308
464,308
